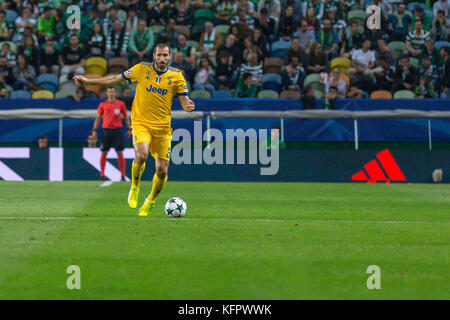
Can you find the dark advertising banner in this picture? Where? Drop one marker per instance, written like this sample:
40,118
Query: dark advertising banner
364,166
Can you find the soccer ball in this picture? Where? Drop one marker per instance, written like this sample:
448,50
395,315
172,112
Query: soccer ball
175,208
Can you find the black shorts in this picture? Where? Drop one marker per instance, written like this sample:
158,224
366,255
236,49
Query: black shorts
112,138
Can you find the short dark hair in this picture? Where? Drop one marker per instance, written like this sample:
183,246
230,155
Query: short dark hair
2,11
162,46
404,56
43,137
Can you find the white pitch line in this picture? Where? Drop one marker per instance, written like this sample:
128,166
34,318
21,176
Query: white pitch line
222,219
106,183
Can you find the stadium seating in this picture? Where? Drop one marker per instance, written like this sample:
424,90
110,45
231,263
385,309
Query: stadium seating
273,65
271,81
267,94
222,29
313,79
221,94
381,94
399,48
97,65
347,81
203,15
97,88
20,94
200,94
68,85
42,94
63,94
49,81
404,94
156,29
192,44
318,94
117,65
122,14
358,16
290,94
439,44
414,62
184,30
11,15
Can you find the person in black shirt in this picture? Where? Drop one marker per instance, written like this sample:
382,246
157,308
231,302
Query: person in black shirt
266,23
384,76
72,59
5,71
49,59
352,40
225,76
405,76
233,48
446,73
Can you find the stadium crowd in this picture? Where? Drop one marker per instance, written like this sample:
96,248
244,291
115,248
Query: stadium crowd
240,48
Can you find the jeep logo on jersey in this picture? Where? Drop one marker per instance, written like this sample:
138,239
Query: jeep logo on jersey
156,90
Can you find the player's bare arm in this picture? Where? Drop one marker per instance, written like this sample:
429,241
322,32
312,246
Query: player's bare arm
128,124
114,79
186,103
96,124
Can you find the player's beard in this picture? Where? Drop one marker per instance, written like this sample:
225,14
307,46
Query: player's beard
161,66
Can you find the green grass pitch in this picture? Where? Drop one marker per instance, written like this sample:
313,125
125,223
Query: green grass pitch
237,241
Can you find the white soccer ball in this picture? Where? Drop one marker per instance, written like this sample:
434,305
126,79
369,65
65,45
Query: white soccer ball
175,208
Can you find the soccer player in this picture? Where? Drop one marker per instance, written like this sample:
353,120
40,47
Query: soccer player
157,84
111,110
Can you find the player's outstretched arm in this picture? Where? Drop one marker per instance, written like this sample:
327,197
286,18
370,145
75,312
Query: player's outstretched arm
186,103
82,80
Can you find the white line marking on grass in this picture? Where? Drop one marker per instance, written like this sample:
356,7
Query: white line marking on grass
221,219
106,183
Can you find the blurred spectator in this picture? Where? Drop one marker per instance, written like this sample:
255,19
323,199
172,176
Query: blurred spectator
97,43
157,11
42,142
260,40
72,58
338,25
328,38
46,24
415,41
443,5
430,50
238,34
234,50
95,18
246,88
296,51
384,51
425,88
384,75
10,56
446,72
308,100
180,62
6,27
182,12
189,52
141,43
251,48
132,21
319,8
311,19
421,15
305,36
169,34
30,50
293,75
224,11
109,20
441,27
79,94
203,78
6,72
25,20
252,67
24,74
117,41
288,22
405,76
398,23
49,59
363,60
429,70
247,5
3,89
317,61
225,76
273,8
352,40
209,40
284,42
27,31
335,80
355,92
373,35
296,6
244,21
266,24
